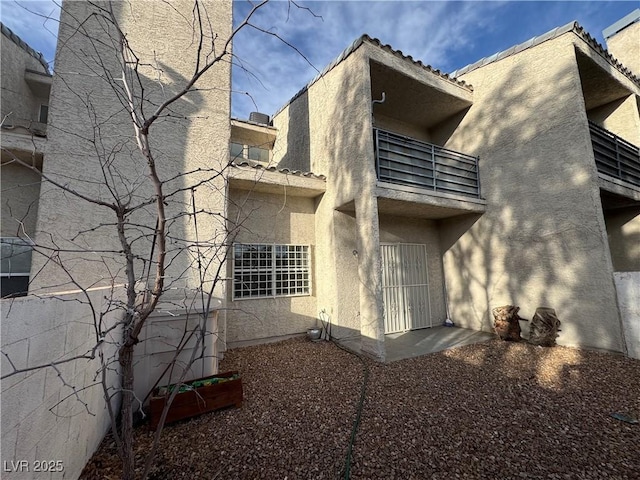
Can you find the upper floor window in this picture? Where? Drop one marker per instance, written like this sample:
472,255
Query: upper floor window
269,270
15,264
259,154
43,115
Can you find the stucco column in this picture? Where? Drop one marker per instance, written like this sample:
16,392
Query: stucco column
370,275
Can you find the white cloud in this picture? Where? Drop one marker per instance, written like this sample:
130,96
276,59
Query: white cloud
35,22
427,31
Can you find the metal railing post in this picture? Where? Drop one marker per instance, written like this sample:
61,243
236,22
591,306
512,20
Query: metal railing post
376,153
478,175
433,166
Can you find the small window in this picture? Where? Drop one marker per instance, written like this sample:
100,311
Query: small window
237,150
259,154
263,270
44,113
15,263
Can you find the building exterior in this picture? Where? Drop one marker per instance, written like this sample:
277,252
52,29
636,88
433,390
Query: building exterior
26,82
512,181
389,196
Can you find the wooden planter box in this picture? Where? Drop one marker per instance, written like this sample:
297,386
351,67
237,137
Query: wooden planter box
197,401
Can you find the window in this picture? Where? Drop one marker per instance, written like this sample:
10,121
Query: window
263,270
44,113
237,150
240,150
259,154
15,256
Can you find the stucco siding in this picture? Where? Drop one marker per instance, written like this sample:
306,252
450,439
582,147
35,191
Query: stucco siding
197,143
620,117
44,419
542,241
335,116
20,104
20,190
625,46
623,229
272,219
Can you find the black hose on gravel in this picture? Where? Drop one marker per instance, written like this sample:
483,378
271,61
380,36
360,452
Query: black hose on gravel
356,422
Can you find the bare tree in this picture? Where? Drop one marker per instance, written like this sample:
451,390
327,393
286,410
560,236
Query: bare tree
155,224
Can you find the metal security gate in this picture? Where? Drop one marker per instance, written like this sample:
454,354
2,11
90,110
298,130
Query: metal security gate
405,287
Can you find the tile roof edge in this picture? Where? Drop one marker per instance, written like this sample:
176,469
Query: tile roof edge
586,36
377,43
272,168
574,27
11,35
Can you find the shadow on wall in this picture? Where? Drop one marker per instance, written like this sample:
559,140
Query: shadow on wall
540,243
623,231
89,228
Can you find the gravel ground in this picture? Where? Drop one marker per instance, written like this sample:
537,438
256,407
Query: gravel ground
495,410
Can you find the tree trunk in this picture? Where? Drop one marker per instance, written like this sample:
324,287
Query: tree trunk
128,455
544,327
506,322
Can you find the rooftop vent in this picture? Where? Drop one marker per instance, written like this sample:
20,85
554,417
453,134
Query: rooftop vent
257,117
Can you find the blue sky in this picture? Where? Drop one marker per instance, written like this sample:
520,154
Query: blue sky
445,34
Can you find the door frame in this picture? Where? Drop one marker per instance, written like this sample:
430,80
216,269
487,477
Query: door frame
399,291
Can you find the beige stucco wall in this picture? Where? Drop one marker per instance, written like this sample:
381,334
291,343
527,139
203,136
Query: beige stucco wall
328,130
623,229
20,109
403,128
20,189
420,231
625,46
542,241
271,218
19,101
621,117
196,143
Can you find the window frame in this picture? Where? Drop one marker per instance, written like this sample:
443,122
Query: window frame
8,275
43,113
273,270
247,151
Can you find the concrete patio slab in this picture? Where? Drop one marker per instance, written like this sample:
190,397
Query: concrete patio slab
415,343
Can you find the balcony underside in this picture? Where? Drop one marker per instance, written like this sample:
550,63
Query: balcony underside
613,188
401,201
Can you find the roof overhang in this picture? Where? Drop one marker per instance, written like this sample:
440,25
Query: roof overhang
39,83
271,180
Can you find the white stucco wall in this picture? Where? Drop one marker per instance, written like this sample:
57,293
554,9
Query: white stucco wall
168,329
628,289
41,418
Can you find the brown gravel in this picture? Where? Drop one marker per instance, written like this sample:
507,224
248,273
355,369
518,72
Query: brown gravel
488,411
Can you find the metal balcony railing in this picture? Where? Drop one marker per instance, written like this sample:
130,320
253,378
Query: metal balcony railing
614,156
406,161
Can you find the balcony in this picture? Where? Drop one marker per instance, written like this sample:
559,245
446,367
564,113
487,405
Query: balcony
406,161
614,156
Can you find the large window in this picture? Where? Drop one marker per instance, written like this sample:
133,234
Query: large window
15,266
266,270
